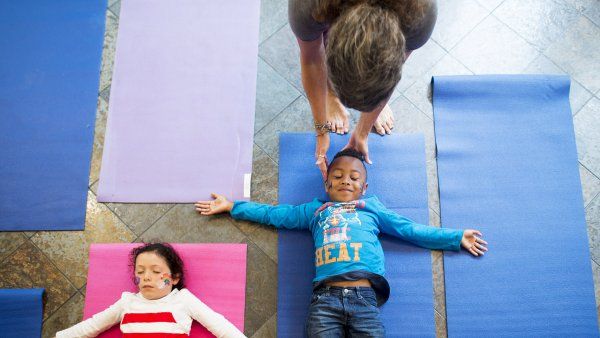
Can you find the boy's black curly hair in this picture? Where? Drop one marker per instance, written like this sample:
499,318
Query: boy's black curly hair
351,153
169,254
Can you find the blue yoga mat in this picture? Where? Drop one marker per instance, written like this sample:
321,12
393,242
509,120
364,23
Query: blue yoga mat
398,178
21,313
507,165
49,71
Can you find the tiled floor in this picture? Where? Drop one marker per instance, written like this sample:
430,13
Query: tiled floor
471,37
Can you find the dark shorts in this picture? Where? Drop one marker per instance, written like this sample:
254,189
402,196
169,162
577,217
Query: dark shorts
344,312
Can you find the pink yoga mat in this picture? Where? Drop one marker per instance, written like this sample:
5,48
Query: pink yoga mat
215,273
181,112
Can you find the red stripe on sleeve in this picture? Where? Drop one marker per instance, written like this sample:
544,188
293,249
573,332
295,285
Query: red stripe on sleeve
156,317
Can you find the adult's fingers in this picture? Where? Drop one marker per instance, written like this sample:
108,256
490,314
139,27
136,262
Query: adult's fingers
322,165
479,240
323,170
367,159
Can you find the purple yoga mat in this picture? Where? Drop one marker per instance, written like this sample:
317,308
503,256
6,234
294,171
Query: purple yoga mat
181,111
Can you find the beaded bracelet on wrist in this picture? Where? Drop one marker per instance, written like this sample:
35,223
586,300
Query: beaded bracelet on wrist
322,128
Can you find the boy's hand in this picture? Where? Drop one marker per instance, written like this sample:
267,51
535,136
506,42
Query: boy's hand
475,245
218,205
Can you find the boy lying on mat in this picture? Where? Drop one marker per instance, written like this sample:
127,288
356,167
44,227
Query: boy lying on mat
349,258
162,308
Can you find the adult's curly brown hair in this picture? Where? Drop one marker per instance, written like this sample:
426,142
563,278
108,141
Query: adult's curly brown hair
366,46
169,254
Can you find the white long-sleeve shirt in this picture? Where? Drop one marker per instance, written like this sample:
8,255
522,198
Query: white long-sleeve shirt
171,315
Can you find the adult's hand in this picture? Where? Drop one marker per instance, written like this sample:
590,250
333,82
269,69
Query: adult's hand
359,142
360,135
321,153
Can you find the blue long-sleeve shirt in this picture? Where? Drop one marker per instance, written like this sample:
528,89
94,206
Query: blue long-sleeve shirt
346,234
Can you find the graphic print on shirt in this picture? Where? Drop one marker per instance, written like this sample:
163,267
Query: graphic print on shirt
336,220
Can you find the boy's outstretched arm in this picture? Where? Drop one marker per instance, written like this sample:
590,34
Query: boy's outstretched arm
472,242
218,205
429,236
280,216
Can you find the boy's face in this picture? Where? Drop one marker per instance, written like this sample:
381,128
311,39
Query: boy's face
153,276
346,180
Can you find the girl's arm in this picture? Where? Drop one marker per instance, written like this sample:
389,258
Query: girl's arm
99,323
212,321
279,216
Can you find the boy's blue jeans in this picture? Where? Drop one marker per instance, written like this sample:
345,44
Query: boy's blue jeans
344,312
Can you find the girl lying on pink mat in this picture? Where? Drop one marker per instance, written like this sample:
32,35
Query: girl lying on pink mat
162,308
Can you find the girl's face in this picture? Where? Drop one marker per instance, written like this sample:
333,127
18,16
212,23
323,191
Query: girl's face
153,276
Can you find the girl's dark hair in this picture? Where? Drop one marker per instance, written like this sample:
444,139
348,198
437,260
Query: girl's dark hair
169,254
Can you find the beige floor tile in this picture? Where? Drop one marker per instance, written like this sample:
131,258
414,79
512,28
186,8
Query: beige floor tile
69,249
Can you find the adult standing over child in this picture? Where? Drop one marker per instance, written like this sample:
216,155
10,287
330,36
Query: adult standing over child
351,54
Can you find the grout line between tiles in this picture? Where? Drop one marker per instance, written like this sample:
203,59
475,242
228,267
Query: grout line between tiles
279,113
249,238
464,37
270,36
585,103
467,33
16,249
58,308
60,271
158,219
105,204
301,90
